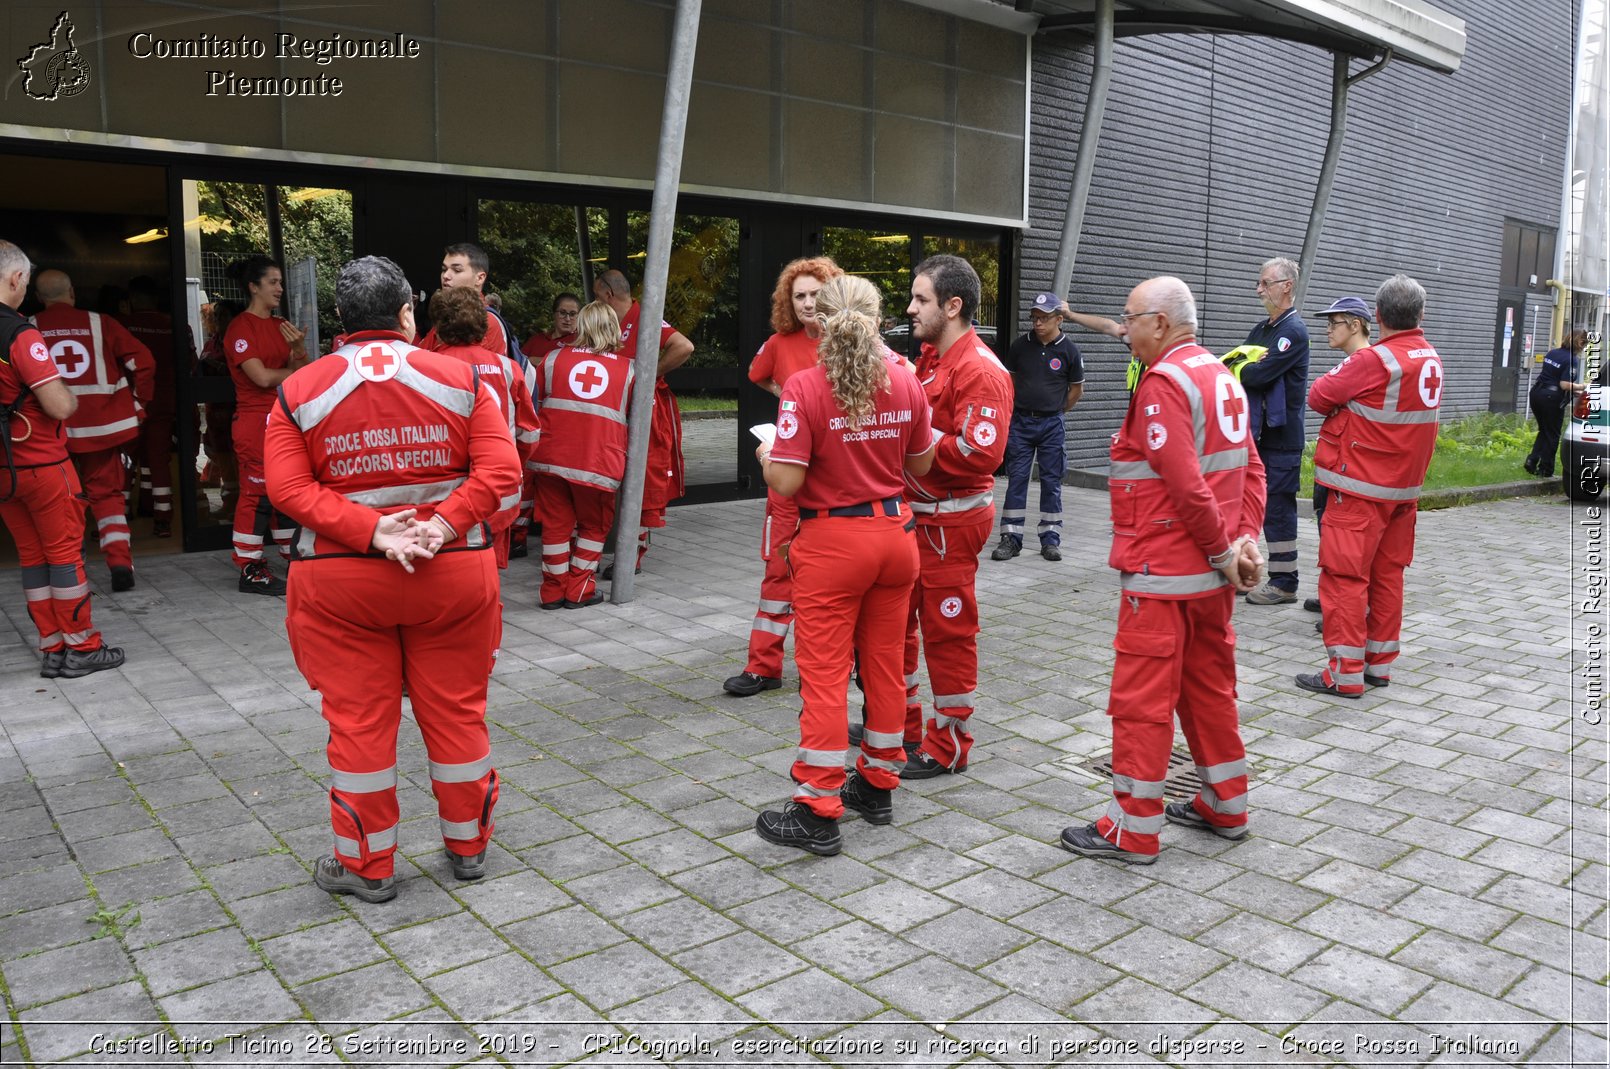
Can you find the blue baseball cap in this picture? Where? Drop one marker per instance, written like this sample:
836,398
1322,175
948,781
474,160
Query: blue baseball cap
1047,303
1353,306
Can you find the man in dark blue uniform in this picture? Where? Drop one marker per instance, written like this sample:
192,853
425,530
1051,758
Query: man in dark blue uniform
1277,388
1048,379
1556,386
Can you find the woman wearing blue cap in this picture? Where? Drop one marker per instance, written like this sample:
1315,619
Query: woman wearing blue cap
1347,328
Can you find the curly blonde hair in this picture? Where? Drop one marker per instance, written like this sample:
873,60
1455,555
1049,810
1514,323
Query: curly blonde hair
852,351
821,268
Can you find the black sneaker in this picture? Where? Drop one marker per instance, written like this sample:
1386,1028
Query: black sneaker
875,805
256,578
550,605
162,527
1185,815
1050,552
50,667
798,827
467,866
747,684
76,663
920,765
1530,465
122,579
594,599
518,550
1088,842
1009,548
336,878
1312,605
609,571
1377,681
1315,681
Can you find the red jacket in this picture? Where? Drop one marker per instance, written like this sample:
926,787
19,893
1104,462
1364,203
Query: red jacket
970,392
1380,407
583,397
379,426
1185,482
155,331
112,375
500,375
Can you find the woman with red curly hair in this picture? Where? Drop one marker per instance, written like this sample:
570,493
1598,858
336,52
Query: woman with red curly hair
792,349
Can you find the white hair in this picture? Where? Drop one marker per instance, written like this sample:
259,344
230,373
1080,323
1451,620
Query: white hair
1173,298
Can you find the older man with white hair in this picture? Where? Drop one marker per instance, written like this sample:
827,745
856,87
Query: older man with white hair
1187,501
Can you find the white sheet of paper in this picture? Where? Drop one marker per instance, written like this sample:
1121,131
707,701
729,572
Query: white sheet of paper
766,432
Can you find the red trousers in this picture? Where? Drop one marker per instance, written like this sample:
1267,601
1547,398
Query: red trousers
1156,641
770,629
256,520
945,609
155,450
1366,547
46,520
103,478
362,628
852,584
582,516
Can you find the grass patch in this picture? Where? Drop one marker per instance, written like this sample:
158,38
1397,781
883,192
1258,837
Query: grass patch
1474,451
700,402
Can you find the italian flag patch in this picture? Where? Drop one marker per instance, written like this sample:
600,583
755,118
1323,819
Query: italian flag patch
788,406
987,413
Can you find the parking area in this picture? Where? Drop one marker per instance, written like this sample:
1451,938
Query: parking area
1426,881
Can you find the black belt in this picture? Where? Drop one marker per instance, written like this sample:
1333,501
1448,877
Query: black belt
1032,414
889,506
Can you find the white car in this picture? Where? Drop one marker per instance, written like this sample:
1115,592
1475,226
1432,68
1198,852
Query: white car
1585,445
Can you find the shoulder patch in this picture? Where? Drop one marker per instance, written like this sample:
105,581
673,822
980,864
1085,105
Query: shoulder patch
39,352
1283,344
1156,435
240,345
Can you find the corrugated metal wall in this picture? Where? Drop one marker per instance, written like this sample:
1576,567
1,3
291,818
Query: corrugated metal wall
1209,156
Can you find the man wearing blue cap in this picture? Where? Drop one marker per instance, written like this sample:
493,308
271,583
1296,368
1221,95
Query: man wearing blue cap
1347,330
1048,379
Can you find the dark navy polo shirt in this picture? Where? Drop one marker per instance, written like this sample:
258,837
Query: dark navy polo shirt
1041,374
1560,364
1278,384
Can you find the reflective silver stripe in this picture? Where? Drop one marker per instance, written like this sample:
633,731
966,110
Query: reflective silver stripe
1221,772
956,701
780,608
1130,470
1354,653
1225,806
459,402
1372,646
384,839
961,435
363,782
1276,567
97,390
771,627
556,569
1283,547
108,521
1137,788
576,475
459,829
1382,415
115,536
955,504
37,593
415,494
1194,396
528,437
1137,825
614,415
589,545
555,549
887,766
1202,582
805,790
911,680
1012,526
821,758
509,501
1057,516
582,564
1013,517
74,638
477,538
884,740
468,772
314,410
942,721
1347,679
105,428
1225,460
1046,525
63,593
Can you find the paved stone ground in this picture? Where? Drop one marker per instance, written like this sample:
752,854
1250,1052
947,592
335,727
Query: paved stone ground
1427,862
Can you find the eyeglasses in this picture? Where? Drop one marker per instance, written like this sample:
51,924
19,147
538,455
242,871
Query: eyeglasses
1127,316
1266,283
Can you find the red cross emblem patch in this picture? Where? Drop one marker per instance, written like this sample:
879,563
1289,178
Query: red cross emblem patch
588,379
984,434
787,425
1156,435
39,352
377,363
950,608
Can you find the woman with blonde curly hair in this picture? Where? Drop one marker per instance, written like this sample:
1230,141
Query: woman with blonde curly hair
847,431
789,351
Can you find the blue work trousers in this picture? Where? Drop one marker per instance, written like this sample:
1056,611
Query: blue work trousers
1284,472
1034,437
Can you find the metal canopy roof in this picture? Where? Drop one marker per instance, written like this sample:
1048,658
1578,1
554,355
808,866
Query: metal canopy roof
1412,30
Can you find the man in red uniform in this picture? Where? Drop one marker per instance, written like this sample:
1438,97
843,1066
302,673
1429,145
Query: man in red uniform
662,482
39,489
792,349
113,376
1380,407
1187,504
376,427
954,504
154,329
